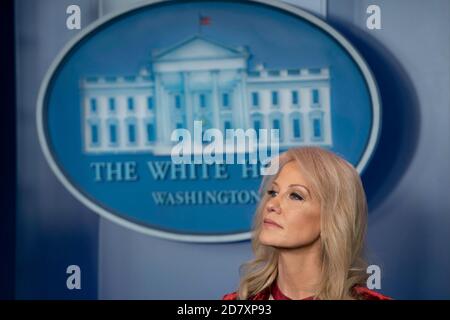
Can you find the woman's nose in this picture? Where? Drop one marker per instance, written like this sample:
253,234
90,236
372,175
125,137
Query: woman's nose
273,206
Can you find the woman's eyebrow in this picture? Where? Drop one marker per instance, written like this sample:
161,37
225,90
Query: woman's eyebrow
295,185
300,185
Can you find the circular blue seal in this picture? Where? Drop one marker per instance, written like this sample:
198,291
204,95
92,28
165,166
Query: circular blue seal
111,100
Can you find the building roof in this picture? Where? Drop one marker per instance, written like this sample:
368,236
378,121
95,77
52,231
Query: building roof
198,47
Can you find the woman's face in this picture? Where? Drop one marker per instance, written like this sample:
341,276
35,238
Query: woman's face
292,208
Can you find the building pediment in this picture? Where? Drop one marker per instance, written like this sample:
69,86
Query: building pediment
198,48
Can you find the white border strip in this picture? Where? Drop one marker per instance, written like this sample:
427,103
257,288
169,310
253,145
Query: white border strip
197,238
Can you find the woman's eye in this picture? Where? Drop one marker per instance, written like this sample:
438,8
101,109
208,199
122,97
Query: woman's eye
295,196
272,193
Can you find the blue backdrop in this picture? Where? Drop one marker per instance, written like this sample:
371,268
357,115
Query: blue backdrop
406,180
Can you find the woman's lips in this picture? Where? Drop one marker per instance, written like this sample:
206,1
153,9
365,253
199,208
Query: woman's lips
271,223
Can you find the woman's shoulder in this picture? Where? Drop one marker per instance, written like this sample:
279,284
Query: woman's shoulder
230,296
361,292
364,293
263,295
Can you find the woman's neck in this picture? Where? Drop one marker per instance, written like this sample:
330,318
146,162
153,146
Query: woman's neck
299,271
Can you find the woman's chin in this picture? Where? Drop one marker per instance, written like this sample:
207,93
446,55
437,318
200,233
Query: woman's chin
268,240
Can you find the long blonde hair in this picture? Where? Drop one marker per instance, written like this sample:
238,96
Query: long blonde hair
338,187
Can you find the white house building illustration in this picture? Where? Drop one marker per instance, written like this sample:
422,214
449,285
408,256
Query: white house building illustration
199,79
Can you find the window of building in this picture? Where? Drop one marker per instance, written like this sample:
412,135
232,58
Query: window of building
151,136
150,103
296,122
255,99
276,124
226,125
112,104
93,105
274,98
257,121
225,100
177,101
315,97
132,133
314,70
295,97
202,98
113,133
257,126
316,119
317,128
130,103
94,134
296,128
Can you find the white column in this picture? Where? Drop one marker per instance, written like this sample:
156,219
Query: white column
244,99
162,114
188,102
327,115
215,100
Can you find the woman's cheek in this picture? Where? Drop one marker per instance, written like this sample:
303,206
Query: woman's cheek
305,228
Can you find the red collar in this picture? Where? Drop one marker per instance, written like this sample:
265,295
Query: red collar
278,295
276,292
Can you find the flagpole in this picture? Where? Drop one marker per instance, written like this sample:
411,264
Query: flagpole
202,20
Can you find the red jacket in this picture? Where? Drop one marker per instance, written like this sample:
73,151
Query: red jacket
361,292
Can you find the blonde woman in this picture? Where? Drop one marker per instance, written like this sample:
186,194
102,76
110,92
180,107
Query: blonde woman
309,232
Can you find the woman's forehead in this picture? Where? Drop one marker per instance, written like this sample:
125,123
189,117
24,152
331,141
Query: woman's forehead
290,173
